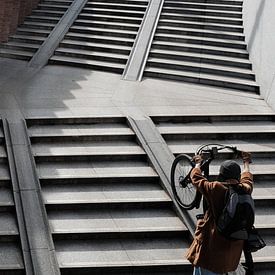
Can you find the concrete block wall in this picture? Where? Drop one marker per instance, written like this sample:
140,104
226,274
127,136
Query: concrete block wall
12,13
259,27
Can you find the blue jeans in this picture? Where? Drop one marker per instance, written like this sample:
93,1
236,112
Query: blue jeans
201,271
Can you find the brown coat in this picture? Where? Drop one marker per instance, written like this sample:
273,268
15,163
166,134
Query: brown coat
209,249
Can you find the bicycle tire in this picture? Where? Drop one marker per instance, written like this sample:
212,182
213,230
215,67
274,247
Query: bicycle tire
183,190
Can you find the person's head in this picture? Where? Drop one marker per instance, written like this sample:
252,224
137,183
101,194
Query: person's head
229,169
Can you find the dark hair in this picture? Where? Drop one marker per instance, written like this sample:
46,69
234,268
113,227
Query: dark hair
229,169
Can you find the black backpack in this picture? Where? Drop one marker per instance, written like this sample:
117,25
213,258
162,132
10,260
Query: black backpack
238,215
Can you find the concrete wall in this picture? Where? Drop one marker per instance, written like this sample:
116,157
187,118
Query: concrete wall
12,13
259,27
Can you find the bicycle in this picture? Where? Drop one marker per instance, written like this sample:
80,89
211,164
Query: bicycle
183,190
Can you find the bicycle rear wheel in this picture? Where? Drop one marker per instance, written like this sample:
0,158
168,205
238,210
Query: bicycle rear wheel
184,191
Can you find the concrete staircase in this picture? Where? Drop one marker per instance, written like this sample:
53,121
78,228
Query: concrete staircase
201,42
102,36
11,257
254,133
107,210
35,29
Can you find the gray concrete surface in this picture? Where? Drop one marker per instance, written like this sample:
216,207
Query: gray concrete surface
62,91
259,24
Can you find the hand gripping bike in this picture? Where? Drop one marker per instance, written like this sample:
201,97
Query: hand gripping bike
184,192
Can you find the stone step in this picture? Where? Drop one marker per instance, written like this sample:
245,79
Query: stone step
33,32
94,55
200,40
206,6
43,13
215,2
116,6
44,6
110,18
84,25
103,169
86,149
202,58
202,49
166,61
27,39
8,225
200,33
58,2
203,11
201,18
38,25
16,54
43,19
226,127
21,46
105,191
100,39
104,32
121,13
202,78
78,130
114,221
11,259
198,25
6,195
88,64
88,46
122,253
124,2
256,147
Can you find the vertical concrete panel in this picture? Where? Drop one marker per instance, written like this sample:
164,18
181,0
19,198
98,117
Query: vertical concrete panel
15,15
259,22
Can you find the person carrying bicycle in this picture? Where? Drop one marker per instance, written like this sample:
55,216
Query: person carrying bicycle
210,253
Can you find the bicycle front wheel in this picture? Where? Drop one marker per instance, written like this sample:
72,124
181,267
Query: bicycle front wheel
184,192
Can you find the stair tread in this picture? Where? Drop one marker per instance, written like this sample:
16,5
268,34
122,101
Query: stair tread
90,53
85,150
203,38
105,23
77,61
113,192
8,225
92,28
93,170
248,127
114,220
22,44
6,196
201,24
199,46
202,76
78,130
39,38
38,31
91,36
109,16
116,10
90,44
109,4
167,13
11,256
201,64
202,55
206,31
122,252
204,4
254,146
17,52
